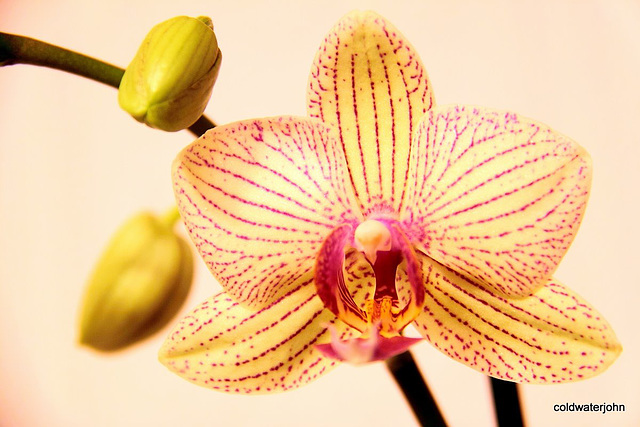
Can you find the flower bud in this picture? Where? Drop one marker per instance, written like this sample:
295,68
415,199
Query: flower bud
138,285
168,84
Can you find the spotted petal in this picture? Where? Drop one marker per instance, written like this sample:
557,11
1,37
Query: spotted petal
224,346
498,197
258,197
369,84
551,336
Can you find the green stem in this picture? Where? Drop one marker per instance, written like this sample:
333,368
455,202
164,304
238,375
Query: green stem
170,217
408,377
16,49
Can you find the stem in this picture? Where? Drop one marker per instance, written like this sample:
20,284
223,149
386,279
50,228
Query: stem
23,50
506,402
16,49
202,125
170,217
408,377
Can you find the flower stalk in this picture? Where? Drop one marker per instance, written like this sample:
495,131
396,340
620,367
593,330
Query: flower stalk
506,402
408,377
15,49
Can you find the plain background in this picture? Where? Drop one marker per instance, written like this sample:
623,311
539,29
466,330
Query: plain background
73,167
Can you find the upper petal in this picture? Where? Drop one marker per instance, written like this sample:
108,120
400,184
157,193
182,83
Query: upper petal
552,336
369,84
226,347
258,197
497,197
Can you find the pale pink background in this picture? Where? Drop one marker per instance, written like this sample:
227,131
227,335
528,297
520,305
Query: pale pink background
73,167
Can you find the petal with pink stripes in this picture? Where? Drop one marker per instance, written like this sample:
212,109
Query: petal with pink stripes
258,197
552,336
223,346
368,83
498,197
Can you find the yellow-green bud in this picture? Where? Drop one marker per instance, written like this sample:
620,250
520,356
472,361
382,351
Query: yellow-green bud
168,84
138,285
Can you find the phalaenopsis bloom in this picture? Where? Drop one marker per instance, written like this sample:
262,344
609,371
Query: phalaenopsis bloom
331,233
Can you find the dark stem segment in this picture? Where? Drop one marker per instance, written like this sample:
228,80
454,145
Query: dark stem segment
16,49
407,375
201,125
506,402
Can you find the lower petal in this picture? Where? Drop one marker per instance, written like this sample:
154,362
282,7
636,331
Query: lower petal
226,347
552,336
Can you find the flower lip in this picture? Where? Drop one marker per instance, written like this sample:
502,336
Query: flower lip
365,349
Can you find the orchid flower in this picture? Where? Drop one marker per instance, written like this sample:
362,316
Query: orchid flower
332,233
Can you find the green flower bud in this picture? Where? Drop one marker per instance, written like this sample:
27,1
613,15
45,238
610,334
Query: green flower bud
168,84
138,285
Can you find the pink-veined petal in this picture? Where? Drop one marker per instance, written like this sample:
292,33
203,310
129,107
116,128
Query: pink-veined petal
552,336
498,197
368,82
223,346
258,198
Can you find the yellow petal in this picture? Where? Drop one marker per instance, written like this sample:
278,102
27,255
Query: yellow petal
497,197
258,197
552,336
226,347
369,84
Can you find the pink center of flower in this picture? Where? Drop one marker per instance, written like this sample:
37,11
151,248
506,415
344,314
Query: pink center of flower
385,247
